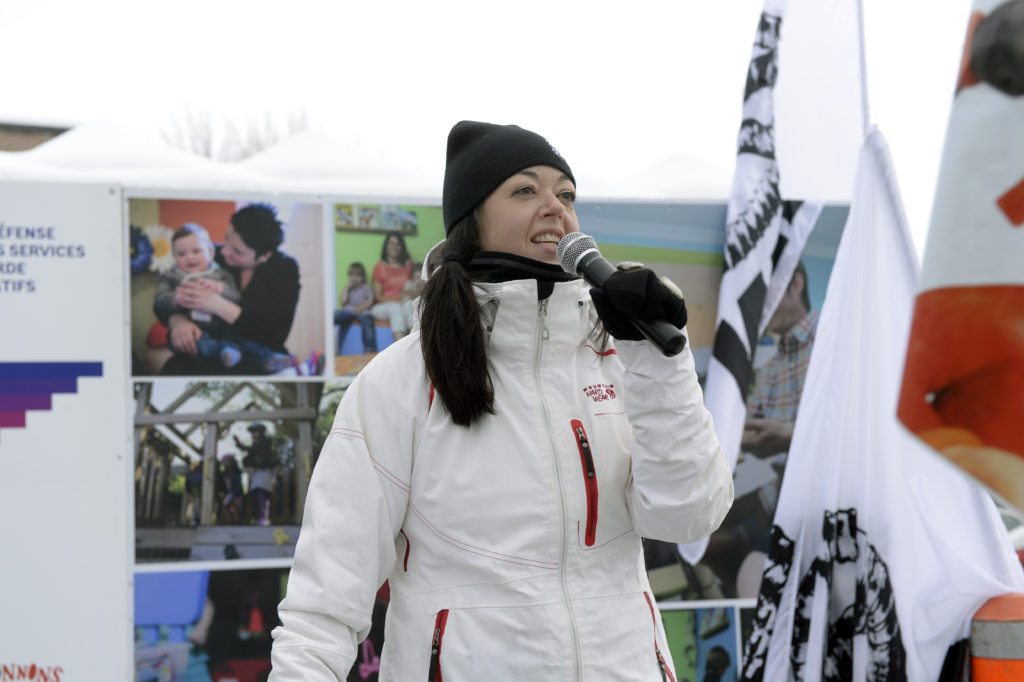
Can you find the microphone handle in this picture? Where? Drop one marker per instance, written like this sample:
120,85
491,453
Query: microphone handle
662,333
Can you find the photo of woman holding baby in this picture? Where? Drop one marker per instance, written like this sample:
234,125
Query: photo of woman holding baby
252,320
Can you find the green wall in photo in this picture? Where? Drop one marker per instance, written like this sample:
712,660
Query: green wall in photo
365,247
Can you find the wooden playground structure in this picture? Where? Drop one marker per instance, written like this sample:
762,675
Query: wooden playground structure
166,438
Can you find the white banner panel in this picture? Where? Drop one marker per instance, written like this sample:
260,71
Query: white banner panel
64,477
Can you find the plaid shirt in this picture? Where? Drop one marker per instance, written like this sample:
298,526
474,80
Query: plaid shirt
779,383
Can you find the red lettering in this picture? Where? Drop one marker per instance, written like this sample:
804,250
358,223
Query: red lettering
33,671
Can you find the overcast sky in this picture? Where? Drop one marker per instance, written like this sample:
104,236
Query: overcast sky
616,86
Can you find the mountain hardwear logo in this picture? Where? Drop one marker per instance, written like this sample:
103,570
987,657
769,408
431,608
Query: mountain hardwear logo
600,392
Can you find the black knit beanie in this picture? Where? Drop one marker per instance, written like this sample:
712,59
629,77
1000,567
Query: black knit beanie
481,156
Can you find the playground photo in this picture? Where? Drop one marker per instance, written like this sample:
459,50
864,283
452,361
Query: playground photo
226,287
222,469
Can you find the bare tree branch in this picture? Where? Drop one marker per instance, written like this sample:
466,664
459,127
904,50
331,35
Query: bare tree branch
198,132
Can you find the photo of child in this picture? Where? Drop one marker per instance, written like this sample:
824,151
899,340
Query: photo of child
377,275
193,262
356,299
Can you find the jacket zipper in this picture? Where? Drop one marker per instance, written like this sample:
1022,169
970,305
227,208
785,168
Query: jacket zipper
666,672
542,336
589,479
434,672
408,546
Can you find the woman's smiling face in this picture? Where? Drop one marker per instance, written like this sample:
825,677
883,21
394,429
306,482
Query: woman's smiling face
393,249
528,213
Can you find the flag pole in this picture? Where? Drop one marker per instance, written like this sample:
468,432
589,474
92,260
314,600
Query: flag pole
864,111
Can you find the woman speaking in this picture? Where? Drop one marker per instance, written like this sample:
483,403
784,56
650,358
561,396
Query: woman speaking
500,464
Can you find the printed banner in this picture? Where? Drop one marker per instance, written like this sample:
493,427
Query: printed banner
963,389
64,464
100,405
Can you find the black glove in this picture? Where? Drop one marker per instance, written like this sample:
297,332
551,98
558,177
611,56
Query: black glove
637,294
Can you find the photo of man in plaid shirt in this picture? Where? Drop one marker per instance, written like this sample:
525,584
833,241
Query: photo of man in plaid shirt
774,398
737,550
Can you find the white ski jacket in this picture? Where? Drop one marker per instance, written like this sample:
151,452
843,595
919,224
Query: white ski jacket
513,547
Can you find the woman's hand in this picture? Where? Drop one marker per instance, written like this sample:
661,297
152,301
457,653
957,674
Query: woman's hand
635,292
196,295
765,437
184,335
210,285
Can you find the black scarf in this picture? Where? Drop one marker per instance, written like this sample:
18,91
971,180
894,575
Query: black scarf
495,266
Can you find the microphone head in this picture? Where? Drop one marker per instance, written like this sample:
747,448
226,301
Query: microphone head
571,248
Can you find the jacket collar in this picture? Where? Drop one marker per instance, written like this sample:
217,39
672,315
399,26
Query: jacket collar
515,318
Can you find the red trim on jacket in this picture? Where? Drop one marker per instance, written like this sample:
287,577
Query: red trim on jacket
589,479
434,673
602,353
666,672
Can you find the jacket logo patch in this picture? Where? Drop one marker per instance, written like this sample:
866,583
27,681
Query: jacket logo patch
600,392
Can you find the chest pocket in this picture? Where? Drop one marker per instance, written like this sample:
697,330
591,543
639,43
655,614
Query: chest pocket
603,466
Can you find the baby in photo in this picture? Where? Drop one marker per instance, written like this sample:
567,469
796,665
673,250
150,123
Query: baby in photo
193,259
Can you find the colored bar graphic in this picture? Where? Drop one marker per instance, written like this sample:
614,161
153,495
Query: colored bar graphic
10,420
49,370
25,401
28,386
38,386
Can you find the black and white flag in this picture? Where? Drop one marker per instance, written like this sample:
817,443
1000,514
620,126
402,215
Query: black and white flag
880,552
764,237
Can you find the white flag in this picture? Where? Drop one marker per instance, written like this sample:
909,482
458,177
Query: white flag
881,552
764,237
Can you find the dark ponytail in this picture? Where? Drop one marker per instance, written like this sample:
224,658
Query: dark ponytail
451,331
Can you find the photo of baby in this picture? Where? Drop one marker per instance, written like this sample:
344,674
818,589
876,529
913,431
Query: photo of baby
226,287
194,266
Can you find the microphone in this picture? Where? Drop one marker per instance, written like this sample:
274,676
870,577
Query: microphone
578,255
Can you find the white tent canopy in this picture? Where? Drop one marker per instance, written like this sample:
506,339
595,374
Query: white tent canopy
305,162
680,176
105,152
